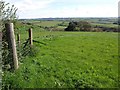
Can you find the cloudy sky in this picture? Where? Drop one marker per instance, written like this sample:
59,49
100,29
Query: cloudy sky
65,8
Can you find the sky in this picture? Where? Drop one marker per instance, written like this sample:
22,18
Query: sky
65,8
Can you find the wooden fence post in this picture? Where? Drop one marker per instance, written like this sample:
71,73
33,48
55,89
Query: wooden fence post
30,36
12,44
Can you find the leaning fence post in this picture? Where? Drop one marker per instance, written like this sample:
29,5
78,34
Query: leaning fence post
30,36
12,44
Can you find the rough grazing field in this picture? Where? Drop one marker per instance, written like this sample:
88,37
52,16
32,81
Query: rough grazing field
69,60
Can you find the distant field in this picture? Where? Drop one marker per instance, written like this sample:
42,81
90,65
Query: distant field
47,23
109,25
103,22
69,60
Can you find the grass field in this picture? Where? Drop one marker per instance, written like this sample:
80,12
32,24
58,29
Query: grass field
68,60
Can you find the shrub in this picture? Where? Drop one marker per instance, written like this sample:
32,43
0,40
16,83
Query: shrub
78,26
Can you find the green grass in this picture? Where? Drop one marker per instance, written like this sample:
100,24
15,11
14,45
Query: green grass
47,23
69,60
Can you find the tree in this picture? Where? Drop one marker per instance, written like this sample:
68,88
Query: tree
7,13
71,26
78,26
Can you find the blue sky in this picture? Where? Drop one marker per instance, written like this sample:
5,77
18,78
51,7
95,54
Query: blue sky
65,8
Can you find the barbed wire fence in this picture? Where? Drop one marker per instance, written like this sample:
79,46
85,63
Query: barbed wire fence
14,50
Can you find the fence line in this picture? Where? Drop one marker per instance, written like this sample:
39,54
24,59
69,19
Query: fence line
12,44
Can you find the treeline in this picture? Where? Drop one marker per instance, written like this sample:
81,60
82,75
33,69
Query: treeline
86,26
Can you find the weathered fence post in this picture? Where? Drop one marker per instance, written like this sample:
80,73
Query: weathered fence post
30,36
12,44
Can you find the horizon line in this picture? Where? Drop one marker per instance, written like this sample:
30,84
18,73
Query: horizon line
66,17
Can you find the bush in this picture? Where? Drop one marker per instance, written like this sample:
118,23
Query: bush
78,26
7,14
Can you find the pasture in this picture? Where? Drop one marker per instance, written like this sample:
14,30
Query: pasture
68,60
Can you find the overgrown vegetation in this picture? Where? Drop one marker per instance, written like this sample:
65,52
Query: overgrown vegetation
7,14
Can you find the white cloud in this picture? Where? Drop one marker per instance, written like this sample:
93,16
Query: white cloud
32,5
83,11
75,8
24,5
74,12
